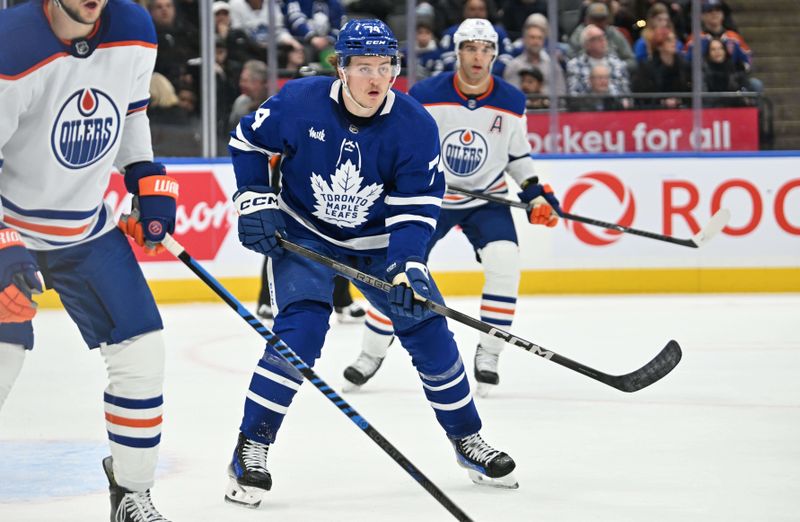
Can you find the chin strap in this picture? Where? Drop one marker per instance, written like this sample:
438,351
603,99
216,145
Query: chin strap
70,15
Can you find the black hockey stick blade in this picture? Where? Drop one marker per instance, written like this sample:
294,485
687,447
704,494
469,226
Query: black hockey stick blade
717,223
660,366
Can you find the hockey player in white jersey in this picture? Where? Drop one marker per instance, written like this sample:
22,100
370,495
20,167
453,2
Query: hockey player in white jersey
361,183
74,87
483,135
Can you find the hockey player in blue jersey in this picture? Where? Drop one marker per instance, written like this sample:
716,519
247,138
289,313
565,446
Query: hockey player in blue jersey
483,132
361,183
74,87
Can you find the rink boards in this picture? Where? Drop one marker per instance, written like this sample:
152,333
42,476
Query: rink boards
759,250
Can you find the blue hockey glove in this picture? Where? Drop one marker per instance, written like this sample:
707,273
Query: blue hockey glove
260,220
545,207
19,278
154,205
411,287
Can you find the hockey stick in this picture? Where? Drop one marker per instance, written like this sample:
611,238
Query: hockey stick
658,367
287,353
717,223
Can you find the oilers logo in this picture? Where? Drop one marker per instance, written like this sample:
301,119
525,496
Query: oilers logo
85,129
464,152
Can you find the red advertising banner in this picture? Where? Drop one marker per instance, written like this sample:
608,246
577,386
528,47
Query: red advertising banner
645,131
203,216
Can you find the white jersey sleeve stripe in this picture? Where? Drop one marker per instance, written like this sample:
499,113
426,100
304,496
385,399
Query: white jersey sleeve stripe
410,217
417,200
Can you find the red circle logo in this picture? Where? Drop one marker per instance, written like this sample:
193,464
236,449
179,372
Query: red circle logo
605,181
155,228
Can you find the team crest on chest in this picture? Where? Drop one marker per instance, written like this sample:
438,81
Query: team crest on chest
344,202
86,128
464,151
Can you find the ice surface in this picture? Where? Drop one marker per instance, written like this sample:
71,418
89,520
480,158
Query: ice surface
717,440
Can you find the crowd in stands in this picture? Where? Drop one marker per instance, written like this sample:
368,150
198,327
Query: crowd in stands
613,48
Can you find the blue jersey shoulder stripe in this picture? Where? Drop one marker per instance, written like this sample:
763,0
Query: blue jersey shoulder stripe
123,23
138,105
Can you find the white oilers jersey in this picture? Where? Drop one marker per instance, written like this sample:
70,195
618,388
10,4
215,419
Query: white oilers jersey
481,138
69,113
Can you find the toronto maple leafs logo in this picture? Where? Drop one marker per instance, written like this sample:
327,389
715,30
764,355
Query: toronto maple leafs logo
344,202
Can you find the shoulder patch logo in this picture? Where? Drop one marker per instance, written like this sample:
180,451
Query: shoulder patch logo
464,152
344,202
85,129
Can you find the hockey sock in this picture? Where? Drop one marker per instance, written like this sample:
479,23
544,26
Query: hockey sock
133,407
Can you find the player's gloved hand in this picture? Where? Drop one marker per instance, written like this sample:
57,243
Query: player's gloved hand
19,278
260,219
154,205
411,287
545,207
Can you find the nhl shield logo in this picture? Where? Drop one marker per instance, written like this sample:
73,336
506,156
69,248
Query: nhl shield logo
86,128
464,152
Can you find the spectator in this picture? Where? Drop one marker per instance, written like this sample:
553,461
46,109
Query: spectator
187,100
535,56
515,12
290,61
369,8
665,71
238,45
657,18
164,107
596,52
531,82
601,98
314,22
713,27
254,87
598,14
429,57
252,17
477,9
177,43
721,74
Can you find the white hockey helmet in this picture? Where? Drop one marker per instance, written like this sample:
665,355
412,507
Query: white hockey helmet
476,29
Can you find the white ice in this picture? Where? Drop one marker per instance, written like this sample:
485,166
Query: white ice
717,440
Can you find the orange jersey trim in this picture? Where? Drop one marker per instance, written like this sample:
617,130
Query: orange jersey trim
52,230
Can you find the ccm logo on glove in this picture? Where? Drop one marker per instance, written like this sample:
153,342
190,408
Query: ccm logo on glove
249,202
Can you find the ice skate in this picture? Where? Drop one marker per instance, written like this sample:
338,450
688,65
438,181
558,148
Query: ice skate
264,311
250,478
129,506
362,370
485,371
350,314
486,466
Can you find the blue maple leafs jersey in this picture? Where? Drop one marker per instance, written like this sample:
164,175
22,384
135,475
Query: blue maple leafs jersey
362,189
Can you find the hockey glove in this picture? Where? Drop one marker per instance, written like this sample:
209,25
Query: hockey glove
545,208
19,278
411,287
154,205
260,219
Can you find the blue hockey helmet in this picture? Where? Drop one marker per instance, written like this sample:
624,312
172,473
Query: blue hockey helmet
366,38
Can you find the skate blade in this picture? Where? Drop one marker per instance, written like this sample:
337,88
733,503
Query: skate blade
483,389
507,482
245,496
